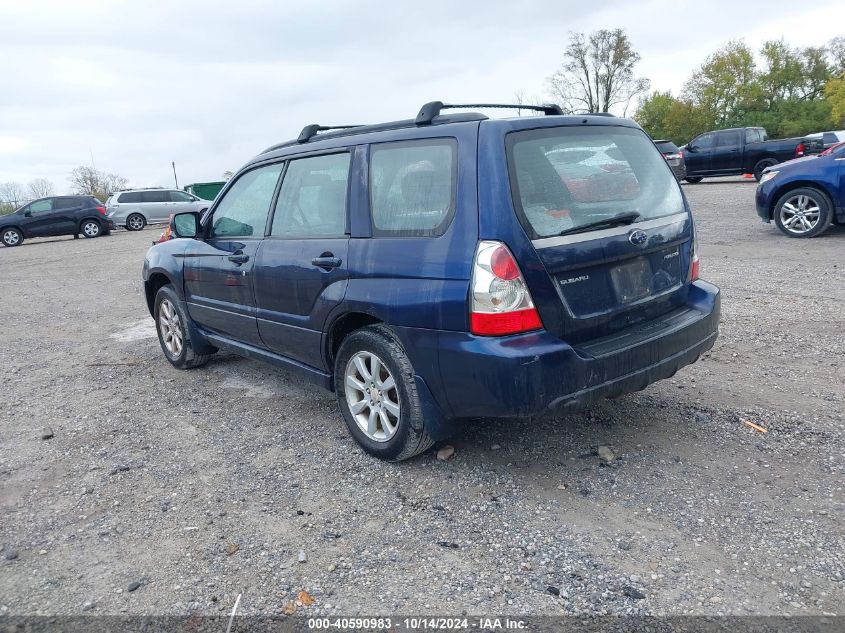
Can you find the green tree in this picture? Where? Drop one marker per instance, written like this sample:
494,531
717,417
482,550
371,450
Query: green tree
685,121
724,85
834,93
653,112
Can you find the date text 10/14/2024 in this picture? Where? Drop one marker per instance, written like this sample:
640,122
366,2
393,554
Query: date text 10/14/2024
419,624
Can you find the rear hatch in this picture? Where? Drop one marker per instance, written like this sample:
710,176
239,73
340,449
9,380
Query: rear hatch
608,222
670,152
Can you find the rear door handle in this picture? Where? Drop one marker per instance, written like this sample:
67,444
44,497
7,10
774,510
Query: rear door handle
239,258
326,262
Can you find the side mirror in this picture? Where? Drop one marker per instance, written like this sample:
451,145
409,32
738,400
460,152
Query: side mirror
27,214
691,148
185,224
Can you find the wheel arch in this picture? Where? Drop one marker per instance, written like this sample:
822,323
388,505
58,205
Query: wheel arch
17,227
135,212
341,327
101,221
152,285
781,191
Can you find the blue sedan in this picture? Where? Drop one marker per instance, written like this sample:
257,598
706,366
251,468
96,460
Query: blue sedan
805,196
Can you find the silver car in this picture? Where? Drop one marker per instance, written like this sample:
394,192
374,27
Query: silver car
134,209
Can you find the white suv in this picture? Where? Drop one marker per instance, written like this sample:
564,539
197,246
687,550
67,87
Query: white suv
136,208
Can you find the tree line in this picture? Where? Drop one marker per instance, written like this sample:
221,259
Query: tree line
84,181
791,91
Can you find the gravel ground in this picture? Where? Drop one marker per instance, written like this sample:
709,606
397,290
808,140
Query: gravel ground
169,492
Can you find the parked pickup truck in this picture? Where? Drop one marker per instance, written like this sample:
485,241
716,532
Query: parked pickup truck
743,150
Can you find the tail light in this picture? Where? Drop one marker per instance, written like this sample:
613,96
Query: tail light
694,264
500,303
102,210
799,149
681,153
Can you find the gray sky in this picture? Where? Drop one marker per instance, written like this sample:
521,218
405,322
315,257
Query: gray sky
139,84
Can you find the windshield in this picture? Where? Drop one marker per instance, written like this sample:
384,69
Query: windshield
566,177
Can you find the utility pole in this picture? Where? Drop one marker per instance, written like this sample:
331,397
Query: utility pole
174,174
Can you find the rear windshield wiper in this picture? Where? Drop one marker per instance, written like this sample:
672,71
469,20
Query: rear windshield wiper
629,217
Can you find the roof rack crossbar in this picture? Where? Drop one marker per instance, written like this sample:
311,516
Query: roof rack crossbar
432,109
309,131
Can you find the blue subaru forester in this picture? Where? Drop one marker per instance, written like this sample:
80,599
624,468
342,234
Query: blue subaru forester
444,267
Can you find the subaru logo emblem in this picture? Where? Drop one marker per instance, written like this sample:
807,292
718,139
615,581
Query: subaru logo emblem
638,237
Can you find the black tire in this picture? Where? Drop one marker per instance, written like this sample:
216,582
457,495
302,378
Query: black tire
816,198
694,179
10,236
761,165
187,357
410,437
135,222
90,228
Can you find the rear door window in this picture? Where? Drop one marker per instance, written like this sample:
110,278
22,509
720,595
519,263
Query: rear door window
312,200
728,139
155,196
563,178
412,187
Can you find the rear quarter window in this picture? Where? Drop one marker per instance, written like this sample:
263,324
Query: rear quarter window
412,187
565,177
66,203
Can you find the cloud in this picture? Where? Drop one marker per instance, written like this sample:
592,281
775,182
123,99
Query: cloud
138,85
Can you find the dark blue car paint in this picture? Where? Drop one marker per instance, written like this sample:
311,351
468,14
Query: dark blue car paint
826,173
420,287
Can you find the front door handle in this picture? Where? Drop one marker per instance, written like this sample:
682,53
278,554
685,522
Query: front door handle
239,258
326,261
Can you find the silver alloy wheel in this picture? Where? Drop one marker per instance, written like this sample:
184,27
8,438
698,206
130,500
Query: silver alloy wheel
11,238
372,396
170,328
135,222
91,229
800,214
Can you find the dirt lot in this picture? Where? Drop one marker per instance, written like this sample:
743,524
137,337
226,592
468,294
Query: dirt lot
167,492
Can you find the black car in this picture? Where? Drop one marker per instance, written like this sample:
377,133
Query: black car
673,156
57,215
737,151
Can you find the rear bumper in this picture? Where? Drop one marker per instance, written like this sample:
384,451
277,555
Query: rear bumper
534,373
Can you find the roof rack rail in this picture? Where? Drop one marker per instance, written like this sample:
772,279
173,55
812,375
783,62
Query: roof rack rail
599,114
309,131
433,108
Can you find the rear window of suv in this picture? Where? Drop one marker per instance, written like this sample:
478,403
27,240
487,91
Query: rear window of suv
666,147
563,177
